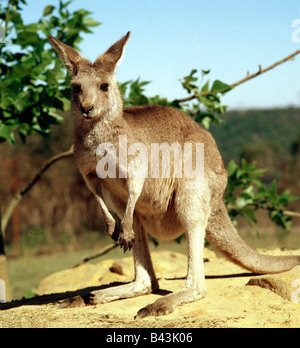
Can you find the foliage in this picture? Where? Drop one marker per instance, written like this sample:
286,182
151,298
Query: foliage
206,104
34,85
246,194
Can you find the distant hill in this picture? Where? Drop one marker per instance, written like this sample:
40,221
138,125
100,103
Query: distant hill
279,127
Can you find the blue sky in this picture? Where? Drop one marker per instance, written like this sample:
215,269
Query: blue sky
172,37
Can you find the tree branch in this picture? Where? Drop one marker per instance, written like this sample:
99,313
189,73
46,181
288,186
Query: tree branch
247,78
103,251
291,213
17,198
284,212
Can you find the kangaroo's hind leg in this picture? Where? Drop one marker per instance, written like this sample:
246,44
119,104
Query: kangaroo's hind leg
145,281
194,216
195,287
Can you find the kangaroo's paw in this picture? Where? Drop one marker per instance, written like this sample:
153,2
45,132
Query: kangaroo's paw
114,231
126,238
166,304
113,293
75,302
155,309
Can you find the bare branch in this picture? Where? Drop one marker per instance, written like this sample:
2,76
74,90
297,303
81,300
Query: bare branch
17,198
291,213
262,71
103,251
247,78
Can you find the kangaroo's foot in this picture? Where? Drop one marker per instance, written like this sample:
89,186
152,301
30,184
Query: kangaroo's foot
108,295
166,304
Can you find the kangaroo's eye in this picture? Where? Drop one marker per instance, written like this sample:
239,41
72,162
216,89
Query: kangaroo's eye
76,89
104,87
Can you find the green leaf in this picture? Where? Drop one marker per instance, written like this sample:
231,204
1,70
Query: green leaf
82,12
23,133
250,215
205,72
242,202
249,192
48,10
90,22
187,82
206,122
139,100
6,133
280,219
51,77
27,38
205,88
231,168
63,5
220,87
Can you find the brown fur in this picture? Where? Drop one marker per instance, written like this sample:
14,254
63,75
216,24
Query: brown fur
163,207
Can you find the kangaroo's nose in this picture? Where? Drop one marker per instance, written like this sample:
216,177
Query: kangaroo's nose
86,110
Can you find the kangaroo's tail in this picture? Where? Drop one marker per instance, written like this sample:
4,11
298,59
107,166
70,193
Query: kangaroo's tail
222,234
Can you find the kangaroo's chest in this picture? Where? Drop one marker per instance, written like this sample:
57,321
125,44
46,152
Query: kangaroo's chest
92,148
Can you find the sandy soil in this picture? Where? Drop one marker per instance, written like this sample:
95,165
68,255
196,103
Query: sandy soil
230,303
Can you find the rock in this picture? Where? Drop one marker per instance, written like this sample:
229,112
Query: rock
84,276
286,285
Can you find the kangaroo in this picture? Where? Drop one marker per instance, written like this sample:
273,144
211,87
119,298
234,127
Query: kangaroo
161,206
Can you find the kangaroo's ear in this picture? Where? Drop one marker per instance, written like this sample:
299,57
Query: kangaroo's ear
109,60
70,57
115,52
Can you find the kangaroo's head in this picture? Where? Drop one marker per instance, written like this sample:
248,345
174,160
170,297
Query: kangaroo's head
95,92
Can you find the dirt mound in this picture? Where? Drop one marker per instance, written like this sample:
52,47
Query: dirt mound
230,302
